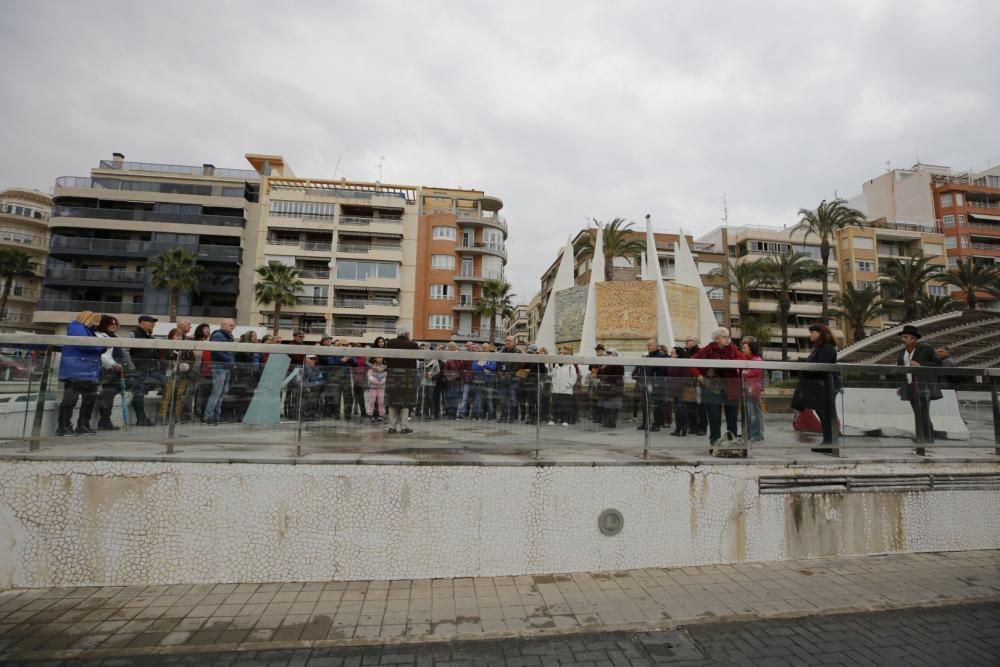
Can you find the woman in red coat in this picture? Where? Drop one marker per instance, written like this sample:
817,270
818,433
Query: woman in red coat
720,387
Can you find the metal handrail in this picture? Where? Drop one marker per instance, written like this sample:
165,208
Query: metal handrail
361,220
36,340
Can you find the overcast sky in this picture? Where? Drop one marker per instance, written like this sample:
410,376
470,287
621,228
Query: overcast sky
566,111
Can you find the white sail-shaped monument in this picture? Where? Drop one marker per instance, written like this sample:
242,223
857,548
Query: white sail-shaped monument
664,328
564,279
686,273
588,339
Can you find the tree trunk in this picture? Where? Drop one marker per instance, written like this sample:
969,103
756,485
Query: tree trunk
784,305
277,320
609,268
174,297
970,299
859,331
489,328
743,305
824,253
7,283
909,308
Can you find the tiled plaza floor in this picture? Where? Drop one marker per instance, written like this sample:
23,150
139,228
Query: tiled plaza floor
181,619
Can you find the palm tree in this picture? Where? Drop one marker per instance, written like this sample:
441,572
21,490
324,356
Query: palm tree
909,278
782,274
970,277
824,222
278,284
743,278
935,305
177,270
616,244
858,307
13,263
495,298
757,326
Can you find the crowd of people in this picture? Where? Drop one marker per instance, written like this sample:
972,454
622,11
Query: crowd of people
218,386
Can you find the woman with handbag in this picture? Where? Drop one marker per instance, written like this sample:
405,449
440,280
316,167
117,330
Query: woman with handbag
817,388
918,391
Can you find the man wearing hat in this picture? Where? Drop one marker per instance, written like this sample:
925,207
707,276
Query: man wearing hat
144,367
919,390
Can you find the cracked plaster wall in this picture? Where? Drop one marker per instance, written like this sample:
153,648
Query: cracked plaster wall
123,523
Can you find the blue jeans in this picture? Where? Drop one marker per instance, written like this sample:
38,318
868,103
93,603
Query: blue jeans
463,407
220,377
508,401
483,402
755,420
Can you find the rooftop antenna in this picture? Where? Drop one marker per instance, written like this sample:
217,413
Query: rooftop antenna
334,177
381,159
888,165
725,211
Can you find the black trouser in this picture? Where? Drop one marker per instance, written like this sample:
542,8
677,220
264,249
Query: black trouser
358,394
826,420
72,390
562,408
923,428
527,399
653,398
680,415
110,386
336,390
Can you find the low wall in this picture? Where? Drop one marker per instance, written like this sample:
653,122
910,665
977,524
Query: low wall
127,523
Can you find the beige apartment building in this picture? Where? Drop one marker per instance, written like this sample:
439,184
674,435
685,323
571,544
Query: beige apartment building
368,253
24,216
517,326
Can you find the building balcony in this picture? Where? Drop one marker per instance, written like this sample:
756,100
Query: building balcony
23,293
182,169
93,247
473,218
23,214
477,335
363,307
465,304
8,318
309,300
314,274
60,214
69,276
308,246
477,276
21,240
360,224
120,308
370,282
80,185
481,248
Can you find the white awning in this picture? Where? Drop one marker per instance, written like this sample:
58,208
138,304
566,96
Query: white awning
983,216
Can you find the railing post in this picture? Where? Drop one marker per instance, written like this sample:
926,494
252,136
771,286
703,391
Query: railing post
996,414
43,387
298,429
647,411
171,404
27,403
538,410
832,393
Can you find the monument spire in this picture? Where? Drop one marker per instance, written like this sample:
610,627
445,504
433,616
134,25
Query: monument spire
664,328
546,336
588,339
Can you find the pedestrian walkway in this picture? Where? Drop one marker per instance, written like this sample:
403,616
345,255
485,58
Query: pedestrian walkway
97,622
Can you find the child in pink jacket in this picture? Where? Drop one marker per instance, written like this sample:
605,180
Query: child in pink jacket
376,389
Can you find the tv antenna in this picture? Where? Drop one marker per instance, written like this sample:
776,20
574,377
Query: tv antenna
381,159
725,210
335,169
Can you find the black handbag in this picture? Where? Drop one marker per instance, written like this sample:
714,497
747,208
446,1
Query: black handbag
799,399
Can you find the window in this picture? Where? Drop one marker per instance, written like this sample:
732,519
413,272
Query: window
958,199
965,241
937,290
946,200
301,209
862,243
442,292
865,284
443,262
948,221
720,317
706,268
865,265
950,242
933,249
714,293
439,322
622,262
993,181
953,262
961,219
446,233
354,270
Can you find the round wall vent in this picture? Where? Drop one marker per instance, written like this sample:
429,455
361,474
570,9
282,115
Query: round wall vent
610,522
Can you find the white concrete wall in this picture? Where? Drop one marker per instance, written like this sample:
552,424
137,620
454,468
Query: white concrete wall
124,523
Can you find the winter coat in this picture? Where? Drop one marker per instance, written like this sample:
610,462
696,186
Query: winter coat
753,379
376,376
812,391
564,378
222,359
720,380
82,364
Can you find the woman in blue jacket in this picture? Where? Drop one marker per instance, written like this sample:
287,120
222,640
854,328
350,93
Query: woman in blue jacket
80,373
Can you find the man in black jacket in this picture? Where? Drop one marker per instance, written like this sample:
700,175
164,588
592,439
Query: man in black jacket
653,396
919,390
144,365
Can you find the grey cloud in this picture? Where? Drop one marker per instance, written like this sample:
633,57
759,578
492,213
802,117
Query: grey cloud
566,110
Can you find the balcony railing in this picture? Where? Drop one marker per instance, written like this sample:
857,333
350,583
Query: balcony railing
20,238
126,185
986,246
9,209
358,332
361,221
70,305
473,215
316,246
321,274
497,248
137,247
55,274
185,169
14,318
480,275
356,248
144,216
362,303
312,300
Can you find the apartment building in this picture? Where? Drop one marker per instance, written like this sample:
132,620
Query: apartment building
354,245
709,257
963,206
461,244
517,326
24,216
104,228
865,252
756,243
